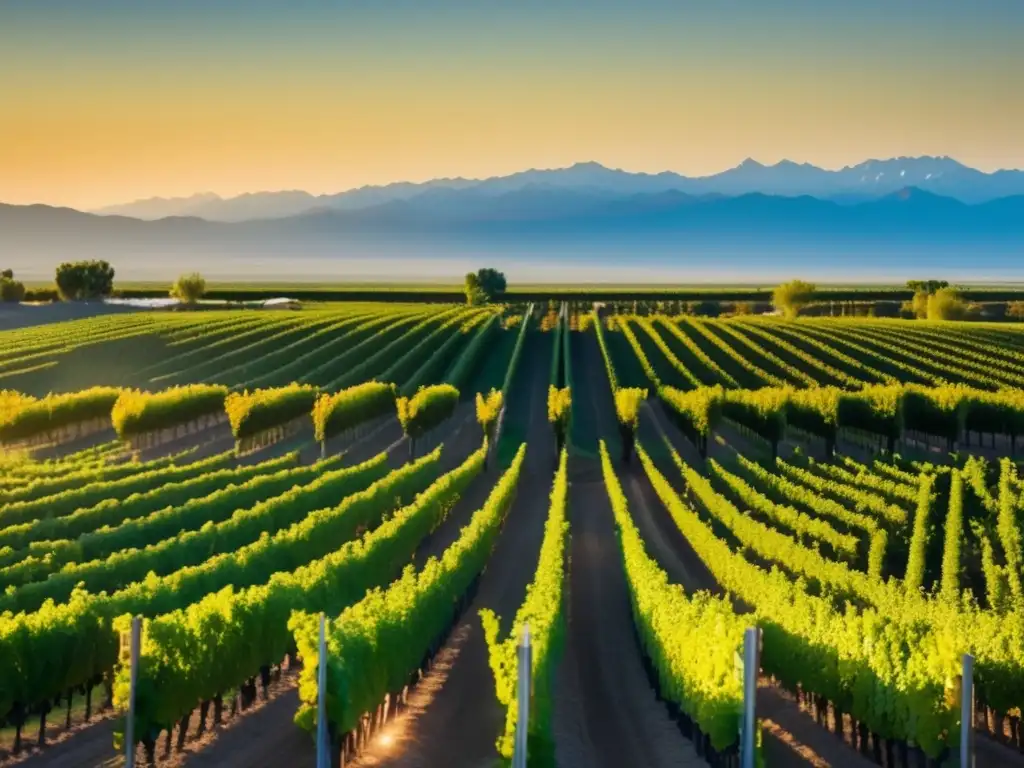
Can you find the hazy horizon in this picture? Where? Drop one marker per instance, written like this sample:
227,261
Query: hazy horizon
449,177
112,101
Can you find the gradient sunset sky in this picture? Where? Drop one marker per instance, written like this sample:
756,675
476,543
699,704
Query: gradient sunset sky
105,101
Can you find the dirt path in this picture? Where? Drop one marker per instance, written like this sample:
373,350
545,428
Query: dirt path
790,737
606,713
90,745
454,717
263,738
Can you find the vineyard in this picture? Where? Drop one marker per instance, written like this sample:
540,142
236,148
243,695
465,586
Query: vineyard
430,483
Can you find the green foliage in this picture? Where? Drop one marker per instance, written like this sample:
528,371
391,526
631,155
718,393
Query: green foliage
468,362
192,563
380,364
914,579
761,410
946,304
173,502
250,413
210,645
888,673
36,417
560,412
627,406
698,411
189,288
11,291
517,352
823,504
996,589
80,637
487,409
378,642
543,612
426,409
58,507
927,287
690,640
951,566
435,361
613,380
877,409
789,298
859,499
83,280
808,529
333,414
484,286
559,407
136,412
1008,528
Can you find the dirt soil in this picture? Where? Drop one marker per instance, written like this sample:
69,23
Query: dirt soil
454,718
606,713
27,315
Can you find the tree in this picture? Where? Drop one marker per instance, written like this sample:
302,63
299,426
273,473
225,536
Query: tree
919,304
1015,310
484,286
789,298
928,286
946,304
10,289
84,280
189,288
475,295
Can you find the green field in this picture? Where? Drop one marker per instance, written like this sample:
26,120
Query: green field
847,485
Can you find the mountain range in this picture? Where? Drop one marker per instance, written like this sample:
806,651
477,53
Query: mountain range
866,181
557,225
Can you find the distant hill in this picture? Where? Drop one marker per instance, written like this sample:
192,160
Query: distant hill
868,180
908,232
537,207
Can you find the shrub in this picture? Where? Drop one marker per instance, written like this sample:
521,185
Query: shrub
789,298
426,409
84,280
136,412
484,286
946,304
189,288
333,414
250,413
11,290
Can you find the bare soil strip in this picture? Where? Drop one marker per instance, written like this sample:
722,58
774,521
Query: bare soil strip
453,716
606,713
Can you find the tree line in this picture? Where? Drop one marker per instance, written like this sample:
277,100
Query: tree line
930,300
